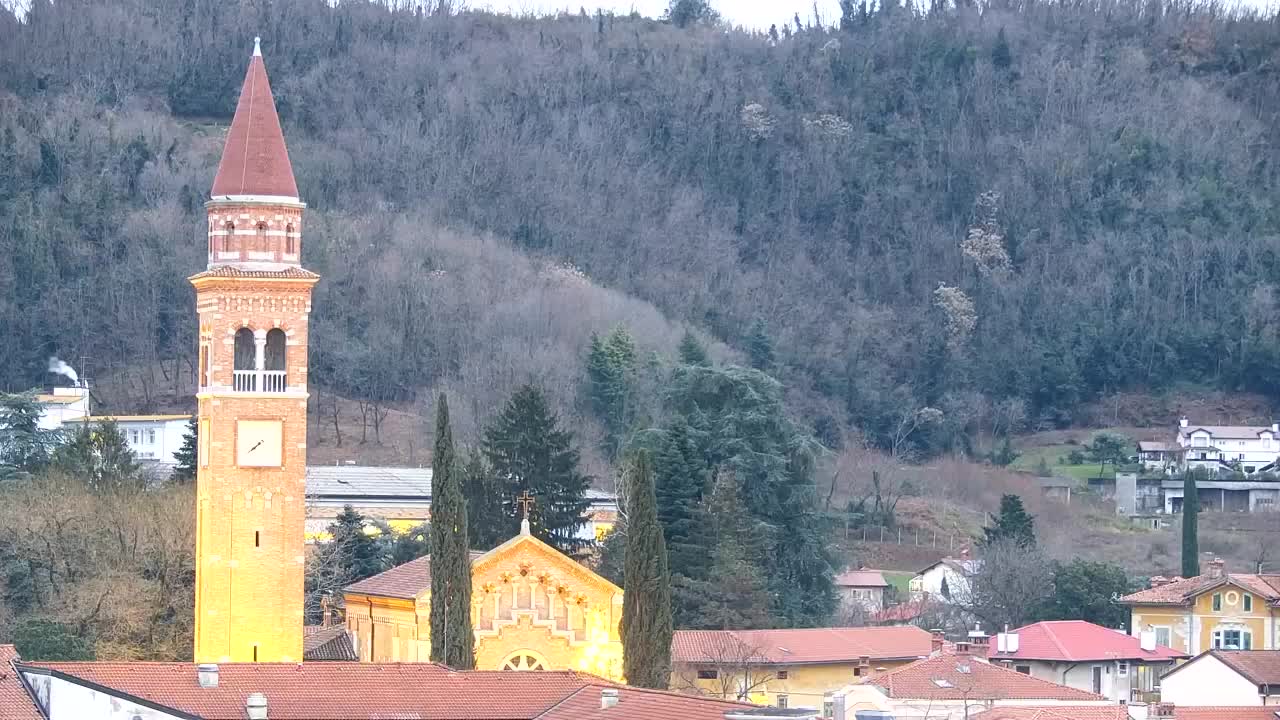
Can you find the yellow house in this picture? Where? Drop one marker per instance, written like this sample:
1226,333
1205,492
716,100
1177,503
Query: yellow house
789,668
1216,610
533,608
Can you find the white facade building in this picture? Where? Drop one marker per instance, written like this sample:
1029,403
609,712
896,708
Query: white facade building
1229,448
152,438
947,579
62,405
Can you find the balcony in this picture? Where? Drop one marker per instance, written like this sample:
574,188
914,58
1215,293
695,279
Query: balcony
267,381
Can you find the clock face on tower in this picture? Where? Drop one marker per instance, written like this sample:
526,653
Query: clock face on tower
259,443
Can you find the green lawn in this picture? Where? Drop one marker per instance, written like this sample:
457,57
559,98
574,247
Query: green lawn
899,579
1054,455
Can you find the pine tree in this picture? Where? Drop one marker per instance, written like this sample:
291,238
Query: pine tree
760,346
486,519
735,594
1013,522
98,454
358,555
611,366
24,447
646,603
681,478
801,577
691,352
528,452
452,640
185,468
1190,524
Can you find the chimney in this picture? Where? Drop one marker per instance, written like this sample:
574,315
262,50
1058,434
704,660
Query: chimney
963,649
207,675
1147,640
1161,710
980,642
1182,421
1216,567
326,607
1275,427
1158,580
608,698
938,641
255,706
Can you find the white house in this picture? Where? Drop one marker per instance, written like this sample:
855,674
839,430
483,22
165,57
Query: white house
1225,677
861,590
152,438
947,579
1229,448
61,405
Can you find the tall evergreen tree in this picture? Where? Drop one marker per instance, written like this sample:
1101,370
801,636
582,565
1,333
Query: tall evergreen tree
760,346
358,554
680,474
690,351
1013,522
24,447
1191,523
184,470
486,519
735,594
646,603
611,363
452,640
801,580
528,452
1001,55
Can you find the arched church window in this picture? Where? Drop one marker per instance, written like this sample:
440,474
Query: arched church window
290,246
244,349
229,242
523,660
260,240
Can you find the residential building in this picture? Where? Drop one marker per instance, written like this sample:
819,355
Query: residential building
1086,656
1060,712
533,608
952,686
1228,448
1225,677
352,691
789,668
62,404
1159,457
861,590
401,498
947,579
154,439
1216,610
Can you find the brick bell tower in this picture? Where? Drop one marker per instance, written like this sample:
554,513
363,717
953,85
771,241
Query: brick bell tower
252,301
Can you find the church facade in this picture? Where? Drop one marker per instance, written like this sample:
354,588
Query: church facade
532,608
253,302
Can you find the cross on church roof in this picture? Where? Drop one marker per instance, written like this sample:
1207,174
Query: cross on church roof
525,501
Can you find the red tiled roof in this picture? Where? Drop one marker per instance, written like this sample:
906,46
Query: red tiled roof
1259,667
231,271
402,581
327,643
809,645
1056,712
1080,641
254,159
1226,713
941,678
902,612
368,691
861,578
1185,590
15,704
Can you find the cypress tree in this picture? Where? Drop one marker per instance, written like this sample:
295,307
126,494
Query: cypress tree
691,351
452,641
528,451
1190,524
646,602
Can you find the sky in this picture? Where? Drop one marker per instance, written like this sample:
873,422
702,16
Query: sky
758,14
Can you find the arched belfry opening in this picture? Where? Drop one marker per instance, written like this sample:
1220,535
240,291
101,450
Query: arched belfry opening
245,361
275,377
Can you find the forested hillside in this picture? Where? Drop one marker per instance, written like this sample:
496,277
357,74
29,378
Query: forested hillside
927,223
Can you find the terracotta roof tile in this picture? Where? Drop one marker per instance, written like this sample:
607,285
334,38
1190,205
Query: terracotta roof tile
1056,712
940,678
402,581
1226,713
327,643
902,612
810,645
1080,641
254,159
231,271
861,578
640,704
1260,667
1183,591
15,704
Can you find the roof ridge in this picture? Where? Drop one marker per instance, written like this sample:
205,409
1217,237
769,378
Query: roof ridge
1053,638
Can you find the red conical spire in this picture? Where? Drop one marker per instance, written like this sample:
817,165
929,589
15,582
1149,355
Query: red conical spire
255,161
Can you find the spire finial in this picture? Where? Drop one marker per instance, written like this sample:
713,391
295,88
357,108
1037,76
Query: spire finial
257,47
525,501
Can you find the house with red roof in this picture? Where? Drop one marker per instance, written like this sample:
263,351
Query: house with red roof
861,590
335,691
1086,656
1237,678
954,685
789,668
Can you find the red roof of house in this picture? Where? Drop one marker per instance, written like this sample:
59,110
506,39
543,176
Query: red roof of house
1056,712
327,643
1180,592
15,704
1259,667
861,578
1080,641
254,159
360,691
1226,713
902,612
800,646
952,677
402,581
